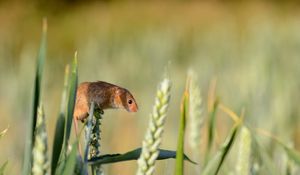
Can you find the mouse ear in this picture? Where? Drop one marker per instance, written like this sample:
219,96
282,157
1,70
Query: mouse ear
119,91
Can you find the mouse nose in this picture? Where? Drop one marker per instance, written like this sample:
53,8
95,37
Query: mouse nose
133,108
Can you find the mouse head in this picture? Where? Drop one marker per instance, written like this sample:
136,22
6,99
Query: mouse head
124,99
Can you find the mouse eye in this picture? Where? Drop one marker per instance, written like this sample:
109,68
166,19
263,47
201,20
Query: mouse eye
129,101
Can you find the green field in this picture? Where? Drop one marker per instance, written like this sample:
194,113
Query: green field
250,52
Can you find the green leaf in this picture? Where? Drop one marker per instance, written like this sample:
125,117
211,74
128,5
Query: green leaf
36,98
60,126
71,160
2,168
216,162
58,141
132,155
72,98
60,167
38,77
179,168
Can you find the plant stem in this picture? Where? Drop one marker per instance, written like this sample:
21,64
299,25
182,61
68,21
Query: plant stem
94,140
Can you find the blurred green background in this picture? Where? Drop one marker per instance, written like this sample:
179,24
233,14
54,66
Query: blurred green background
251,48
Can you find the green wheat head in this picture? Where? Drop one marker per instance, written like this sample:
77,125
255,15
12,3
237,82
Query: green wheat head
155,129
195,112
244,152
40,158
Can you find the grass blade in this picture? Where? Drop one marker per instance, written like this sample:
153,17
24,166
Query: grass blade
36,98
212,104
58,142
60,126
212,122
211,131
214,165
38,76
71,101
179,168
71,160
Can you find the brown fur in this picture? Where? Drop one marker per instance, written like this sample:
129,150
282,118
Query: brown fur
105,96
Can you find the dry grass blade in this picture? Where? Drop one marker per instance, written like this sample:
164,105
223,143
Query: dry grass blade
230,113
211,95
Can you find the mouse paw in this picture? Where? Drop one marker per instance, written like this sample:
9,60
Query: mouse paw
101,111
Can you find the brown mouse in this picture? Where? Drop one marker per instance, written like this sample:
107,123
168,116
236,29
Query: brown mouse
104,95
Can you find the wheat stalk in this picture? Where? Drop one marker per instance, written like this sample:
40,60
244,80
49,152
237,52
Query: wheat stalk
95,140
92,135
